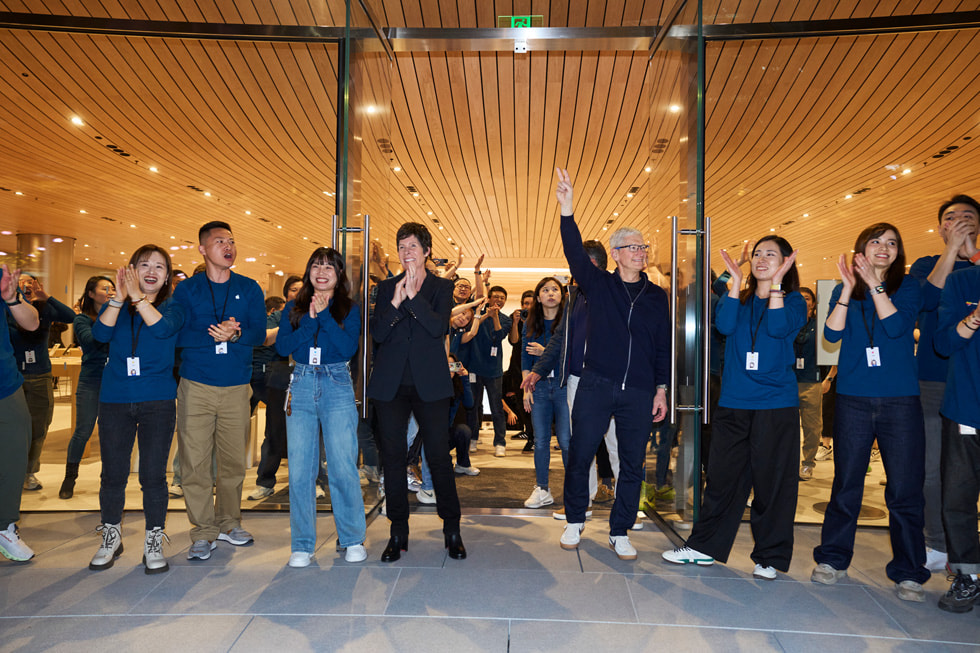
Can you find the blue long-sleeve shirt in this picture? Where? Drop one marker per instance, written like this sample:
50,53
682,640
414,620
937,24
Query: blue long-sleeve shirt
10,377
961,402
337,343
486,352
894,337
528,360
154,346
932,366
773,384
94,353
33,345
565,353
207,303
805,349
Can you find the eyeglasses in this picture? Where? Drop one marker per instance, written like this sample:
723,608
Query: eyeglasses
634,248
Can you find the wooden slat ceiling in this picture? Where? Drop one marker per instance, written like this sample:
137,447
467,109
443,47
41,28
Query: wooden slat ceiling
793,127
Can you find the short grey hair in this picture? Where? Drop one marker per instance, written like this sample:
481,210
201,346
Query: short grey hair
619,236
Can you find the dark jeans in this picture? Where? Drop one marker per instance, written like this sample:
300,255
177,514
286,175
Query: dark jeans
495,398
961,486
897,423
664,432
931,396
433,420
459,439
39,393
86,413
15,440
751,449
597,400
151,424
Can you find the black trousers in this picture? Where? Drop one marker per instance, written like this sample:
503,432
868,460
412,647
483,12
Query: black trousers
961,486
751,450
433,419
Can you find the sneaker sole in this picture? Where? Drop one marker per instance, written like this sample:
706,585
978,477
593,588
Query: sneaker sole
112,561
207,556
763,576
569,547
622,556
14,558
560,516
156,570
534,506
692,561
956,609
826,581
225,538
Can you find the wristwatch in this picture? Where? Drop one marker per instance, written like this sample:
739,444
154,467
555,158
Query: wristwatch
16,300
235,337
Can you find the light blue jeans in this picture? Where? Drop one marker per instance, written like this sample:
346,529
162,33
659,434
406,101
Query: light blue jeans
550,404
321,399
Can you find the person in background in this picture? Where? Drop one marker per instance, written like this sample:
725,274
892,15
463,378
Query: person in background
959,224
136,401
873,316
15,420
31,354
320,330
98,290
513,376
810,383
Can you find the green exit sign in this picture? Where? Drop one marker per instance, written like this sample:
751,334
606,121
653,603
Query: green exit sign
520,21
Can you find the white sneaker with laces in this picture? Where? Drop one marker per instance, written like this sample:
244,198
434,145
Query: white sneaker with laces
356,553
12,547
468,471
764,573
260,492
473,444
110,549
686,556
825,453
320,492
300,559
426,496
539,498
621,545
154,561
500,451
571,536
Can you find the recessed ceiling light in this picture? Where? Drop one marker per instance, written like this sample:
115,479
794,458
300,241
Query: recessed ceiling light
806,215
177,247
132,226
122,253
18,193
85,245
42,249
86,258
305,238
648,169
370,109
82,211
415,194
674,108
9,233
772,229
250,259
77,121
248,213
429,213
615,214
847,197
397,169
153,169
629,194
929,231
279,273
207,194
440,227
173,238
906,171
57,240
278,226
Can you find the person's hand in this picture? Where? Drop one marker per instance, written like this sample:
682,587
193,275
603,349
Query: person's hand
825,385
528,400
479,263
413,282
784,268
399,295
563,192
224,331
862,266
516,315
961,236
8,284
846,275
534,348
121,291
660,406
746,254
318,304
527,385
132,282
486,277
37,291
733,270
511,418
459,258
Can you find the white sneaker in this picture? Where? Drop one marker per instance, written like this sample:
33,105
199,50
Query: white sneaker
571,536
468,471
638,524
826,575
686,556
176,491
539,498
110,549
764,573
12,547
300,559
473,444
356,553
909,590
320,492
426,496
621,545
825,453
154,561
936,560
260,492
500,451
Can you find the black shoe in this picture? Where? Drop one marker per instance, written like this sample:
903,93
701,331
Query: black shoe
962,594
455,545
396,544
519,436
67,490
529,447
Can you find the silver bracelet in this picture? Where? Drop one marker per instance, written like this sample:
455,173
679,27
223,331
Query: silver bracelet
115,303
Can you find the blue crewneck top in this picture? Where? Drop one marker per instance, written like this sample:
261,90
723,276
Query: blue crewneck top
94,353
961,401
932,366
486,351
527,360
35,342
10,377
337,343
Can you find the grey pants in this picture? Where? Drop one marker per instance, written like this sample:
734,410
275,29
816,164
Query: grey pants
15,440
931,395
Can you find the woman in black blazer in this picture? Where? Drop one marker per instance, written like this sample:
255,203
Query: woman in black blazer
411,376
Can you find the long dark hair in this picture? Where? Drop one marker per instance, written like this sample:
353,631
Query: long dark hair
535,316
85,303
896,271
142,254
790,283
340,306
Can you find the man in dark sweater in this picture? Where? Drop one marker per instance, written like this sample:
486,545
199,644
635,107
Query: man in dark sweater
624,374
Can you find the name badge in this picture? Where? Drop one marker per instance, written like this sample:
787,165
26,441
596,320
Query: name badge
133,366
221,348
874,356
30,357
314,355
799,363
493,351
967,430
472,377
751,360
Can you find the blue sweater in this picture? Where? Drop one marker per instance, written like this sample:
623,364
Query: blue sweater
486,352
10,376
154,348
628,340
961,402
805,347
894,338
527,360
94,353
932,366
239,297
36,341
773,385
337,343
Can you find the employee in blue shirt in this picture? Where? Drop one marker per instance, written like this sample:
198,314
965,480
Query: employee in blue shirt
137,401
320,330
756,427
873,316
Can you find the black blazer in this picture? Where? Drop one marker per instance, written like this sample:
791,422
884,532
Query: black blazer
412,334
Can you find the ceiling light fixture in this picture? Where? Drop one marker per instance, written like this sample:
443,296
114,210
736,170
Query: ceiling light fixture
207,194
248,213
153,169
674,108
648,169
82,211
847,197
397,169
906,171
77,121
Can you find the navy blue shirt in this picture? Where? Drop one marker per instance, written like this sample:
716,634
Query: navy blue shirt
486,352
528,360
33,345
805,350
961,402
337,343
94,353
932,366
10,377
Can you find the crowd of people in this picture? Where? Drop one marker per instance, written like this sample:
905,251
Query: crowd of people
166,354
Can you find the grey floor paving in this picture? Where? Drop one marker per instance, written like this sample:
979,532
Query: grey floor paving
517,591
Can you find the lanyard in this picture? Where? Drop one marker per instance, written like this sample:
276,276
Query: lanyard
755,333
135,331
214,304
315,335
871,331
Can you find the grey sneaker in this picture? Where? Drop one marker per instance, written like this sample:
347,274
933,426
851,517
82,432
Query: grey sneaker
153,559
201,550
175,491
621,545
31,483
825,453
426,496
962,595
110,549
827,575
806,472
12,547
909,590
237,536
260,492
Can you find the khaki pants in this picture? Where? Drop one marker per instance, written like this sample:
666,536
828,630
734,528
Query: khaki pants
212,419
